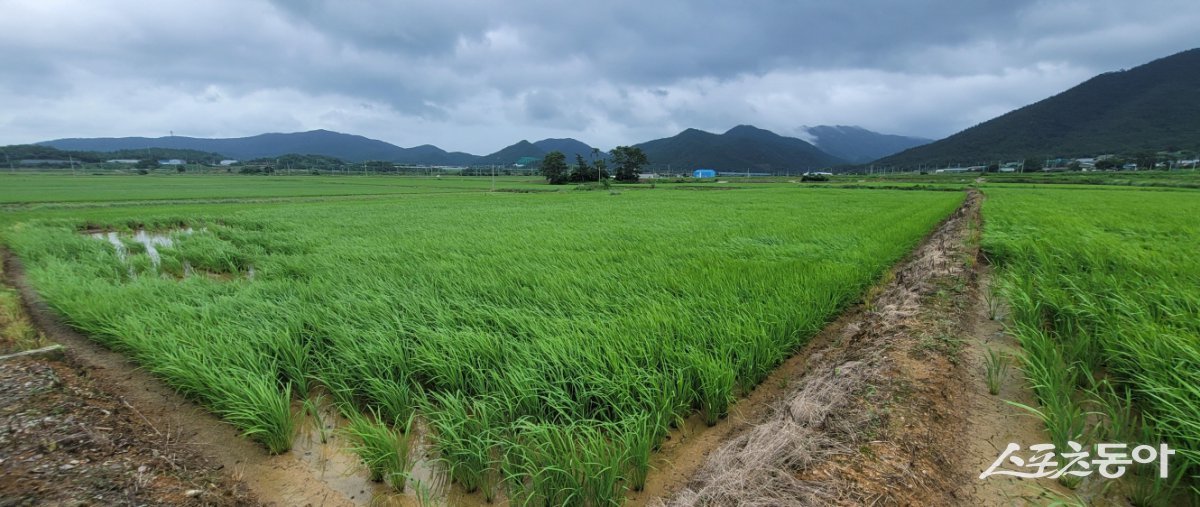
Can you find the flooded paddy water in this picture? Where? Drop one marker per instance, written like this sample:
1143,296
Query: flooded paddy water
128,245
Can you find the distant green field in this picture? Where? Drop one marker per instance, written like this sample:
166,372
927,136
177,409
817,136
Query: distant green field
1188,178
548,340
36,188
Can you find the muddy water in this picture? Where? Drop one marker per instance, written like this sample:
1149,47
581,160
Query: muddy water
321,446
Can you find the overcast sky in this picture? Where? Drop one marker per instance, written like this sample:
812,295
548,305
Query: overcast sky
478,75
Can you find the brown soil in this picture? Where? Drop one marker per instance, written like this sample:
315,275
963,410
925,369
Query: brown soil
66,441
886,406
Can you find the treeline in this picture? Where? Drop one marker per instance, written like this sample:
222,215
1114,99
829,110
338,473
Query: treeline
18,152
628,160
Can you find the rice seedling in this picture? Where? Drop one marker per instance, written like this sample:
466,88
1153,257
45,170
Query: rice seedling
384,449
995,366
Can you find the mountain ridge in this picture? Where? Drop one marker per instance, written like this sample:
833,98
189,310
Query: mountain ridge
741,148
858,145
1151,107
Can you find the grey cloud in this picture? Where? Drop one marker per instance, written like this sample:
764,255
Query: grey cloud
476,75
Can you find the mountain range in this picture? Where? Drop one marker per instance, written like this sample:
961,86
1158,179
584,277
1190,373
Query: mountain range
856,144
1152,107
1149,108
741,148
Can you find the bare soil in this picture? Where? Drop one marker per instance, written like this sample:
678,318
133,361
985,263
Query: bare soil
66,441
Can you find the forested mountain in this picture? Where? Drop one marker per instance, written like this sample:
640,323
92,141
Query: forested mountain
742,148
859,145
1153,107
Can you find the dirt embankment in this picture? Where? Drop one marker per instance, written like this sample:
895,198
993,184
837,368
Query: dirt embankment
886,406
66,441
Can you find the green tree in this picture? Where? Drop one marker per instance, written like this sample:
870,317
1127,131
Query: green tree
554,168
629,161
1146,160
146,163
1032,164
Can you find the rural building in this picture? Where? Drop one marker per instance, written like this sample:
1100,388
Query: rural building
704,173
228,162
173,161
40,161
122,161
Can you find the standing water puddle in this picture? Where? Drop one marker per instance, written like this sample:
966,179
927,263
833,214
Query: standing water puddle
321,445
151,241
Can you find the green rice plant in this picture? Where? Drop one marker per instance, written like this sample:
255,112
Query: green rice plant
563,465
1145,487
510,322
1053,383
394,399
639,436
715,388
465,441
996,366
311,407
992,300
384,449
1115,404
1101,284
256,405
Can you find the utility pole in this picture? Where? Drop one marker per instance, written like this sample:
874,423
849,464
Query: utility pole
11,168
493,177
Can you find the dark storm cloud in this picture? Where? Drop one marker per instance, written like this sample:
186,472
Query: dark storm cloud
477,75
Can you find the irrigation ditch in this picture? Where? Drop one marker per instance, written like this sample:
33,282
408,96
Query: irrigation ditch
887,405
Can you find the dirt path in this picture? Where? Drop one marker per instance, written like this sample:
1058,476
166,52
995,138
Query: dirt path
284,479
886,406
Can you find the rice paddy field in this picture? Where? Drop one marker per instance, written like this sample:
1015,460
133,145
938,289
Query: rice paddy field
543,344
1104,286
25,190
537,344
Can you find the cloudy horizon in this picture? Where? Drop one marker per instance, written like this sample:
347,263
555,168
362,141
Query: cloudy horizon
477,76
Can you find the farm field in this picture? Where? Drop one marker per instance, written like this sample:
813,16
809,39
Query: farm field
543,344
41,188
1104,287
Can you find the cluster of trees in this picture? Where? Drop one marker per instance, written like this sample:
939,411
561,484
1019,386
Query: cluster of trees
628,160
153,155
